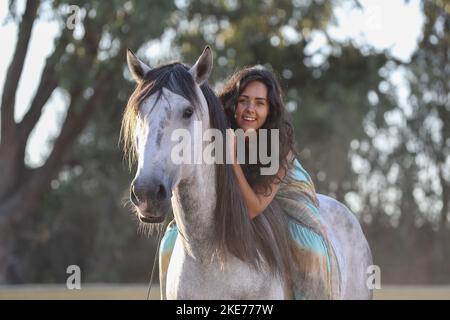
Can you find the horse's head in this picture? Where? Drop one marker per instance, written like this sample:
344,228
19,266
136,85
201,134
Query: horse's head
167,98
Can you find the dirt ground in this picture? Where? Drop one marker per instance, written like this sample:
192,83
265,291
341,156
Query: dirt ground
139,292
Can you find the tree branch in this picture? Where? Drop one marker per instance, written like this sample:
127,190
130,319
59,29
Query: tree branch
15,71
47,84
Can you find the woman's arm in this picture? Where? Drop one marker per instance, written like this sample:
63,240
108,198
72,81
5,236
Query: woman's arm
256,203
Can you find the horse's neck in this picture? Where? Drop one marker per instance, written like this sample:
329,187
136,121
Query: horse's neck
193,204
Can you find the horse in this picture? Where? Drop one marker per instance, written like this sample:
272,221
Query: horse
217,255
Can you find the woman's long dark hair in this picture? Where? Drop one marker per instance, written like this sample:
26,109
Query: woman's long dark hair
276,119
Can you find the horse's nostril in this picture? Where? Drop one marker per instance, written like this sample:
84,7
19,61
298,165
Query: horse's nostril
139,194
133,197
161,194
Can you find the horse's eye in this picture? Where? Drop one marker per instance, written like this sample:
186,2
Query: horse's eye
188,113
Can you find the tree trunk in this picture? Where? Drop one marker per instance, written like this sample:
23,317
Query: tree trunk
21,203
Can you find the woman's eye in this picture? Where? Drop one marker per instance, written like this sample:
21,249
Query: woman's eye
188,113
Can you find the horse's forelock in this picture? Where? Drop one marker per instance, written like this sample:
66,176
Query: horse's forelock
176,78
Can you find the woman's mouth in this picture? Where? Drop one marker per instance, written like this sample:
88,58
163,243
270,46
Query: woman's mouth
248,119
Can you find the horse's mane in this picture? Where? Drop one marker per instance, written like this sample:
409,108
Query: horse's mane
263,240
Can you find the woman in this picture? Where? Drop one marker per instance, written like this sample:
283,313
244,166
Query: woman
252,100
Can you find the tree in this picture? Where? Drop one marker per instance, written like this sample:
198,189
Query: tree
404,166
88,68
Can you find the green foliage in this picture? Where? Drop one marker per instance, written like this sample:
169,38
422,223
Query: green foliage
406,192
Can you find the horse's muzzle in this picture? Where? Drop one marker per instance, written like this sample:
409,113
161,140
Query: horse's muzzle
151,200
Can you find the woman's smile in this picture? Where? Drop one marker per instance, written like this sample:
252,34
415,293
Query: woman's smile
248,118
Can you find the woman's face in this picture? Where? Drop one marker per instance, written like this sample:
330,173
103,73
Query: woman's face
252,107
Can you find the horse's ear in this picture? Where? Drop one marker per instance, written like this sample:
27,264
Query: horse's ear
137,68
202,68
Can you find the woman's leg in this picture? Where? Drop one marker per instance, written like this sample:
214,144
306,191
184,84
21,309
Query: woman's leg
311,261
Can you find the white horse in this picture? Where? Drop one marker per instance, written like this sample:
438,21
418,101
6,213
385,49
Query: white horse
170,97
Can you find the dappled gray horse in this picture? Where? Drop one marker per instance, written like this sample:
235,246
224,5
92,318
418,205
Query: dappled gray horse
206,206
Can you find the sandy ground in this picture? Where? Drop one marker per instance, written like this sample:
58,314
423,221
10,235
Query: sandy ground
87,292
139,292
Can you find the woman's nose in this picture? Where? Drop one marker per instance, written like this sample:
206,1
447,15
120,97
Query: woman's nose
251,105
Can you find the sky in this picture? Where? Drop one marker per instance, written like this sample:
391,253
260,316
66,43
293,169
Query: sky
382,24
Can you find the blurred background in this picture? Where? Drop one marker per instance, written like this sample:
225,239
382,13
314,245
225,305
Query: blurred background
367,84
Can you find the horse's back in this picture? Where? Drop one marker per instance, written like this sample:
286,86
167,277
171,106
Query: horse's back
350,245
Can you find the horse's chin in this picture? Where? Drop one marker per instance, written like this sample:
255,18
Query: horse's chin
150,214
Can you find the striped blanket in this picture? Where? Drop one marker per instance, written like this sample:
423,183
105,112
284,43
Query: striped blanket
316,273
